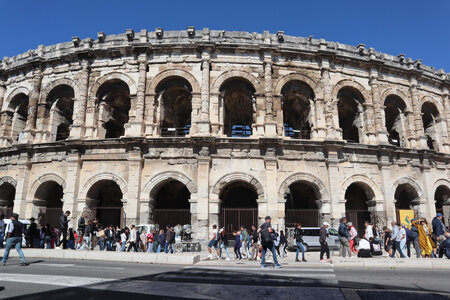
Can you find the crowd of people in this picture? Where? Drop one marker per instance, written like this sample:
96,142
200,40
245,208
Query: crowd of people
399,241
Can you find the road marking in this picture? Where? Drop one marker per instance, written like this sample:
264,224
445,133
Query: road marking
75,266
239,268
66,281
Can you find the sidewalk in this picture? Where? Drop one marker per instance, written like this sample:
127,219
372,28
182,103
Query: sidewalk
137,257
313,261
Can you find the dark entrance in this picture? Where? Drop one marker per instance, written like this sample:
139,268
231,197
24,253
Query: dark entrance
7,195
404,196
171,204
49,203
106,202
238,207
301,205
356,208
441,195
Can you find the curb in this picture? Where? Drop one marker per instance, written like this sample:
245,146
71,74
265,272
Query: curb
146,258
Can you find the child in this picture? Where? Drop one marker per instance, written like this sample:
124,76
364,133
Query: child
237,244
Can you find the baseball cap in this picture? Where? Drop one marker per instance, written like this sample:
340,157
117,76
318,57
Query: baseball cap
439,215
267,218
326,224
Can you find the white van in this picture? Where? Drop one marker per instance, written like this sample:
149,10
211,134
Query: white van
311,238
26,225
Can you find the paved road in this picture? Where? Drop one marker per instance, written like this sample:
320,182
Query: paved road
70,279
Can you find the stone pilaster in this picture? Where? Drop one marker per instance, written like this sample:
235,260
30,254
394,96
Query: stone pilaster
150,126
271,205
136,124
203,124
77,130
386,188
382,135
270,126
418,125
72,185
22,187
131,206
91,120
196,113
446,125
334,179
203,210
330,105
28,134
2,93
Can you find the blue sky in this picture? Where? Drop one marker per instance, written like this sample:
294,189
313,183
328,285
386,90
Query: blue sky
419,29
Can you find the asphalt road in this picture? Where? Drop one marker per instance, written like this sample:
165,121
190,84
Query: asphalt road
71,279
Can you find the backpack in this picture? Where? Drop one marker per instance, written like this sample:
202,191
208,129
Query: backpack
266,236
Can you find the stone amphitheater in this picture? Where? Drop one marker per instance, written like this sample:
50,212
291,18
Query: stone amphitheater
220,127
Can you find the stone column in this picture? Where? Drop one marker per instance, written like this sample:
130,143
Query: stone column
446,116
271,205
72,185
91,119
28,134
23,175
334,182
131,206
410,135
203,124
419,131
377,102
196,113
77,130
386,188
2,93
150,126
331,116
216,114
427,204
136,125
4,141
258,115
203,209
270,126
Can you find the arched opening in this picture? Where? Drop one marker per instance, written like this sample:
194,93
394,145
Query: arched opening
301,206
394,120
350,112
170,204
18,120
175,98
104,200
405,195
48,203
296,98
114,105
60,111
430,119
238,98
357,196
441,195
7,196
238,207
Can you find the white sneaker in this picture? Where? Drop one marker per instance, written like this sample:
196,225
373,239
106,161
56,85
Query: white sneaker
227,258
210,256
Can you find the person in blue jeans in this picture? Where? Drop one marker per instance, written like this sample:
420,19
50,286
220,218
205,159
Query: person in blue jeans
162,241
15,231
299,241
266,232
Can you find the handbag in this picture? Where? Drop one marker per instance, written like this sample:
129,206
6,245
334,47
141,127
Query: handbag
101,234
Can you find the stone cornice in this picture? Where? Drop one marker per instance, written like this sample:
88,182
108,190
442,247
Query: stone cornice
145,41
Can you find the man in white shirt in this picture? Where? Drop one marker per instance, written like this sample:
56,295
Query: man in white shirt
402,233
132,239
396,238
369,231
214,242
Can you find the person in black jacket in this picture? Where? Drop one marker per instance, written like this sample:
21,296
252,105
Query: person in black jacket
299,241
34,234
323,234
64,226
223,240
110,237
255,244
14,235
82,224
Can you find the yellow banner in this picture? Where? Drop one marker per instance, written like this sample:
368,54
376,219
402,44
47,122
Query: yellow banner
405,216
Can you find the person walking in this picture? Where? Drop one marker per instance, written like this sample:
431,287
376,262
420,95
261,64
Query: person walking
387,241
110,237
298,236
425,242
2,230
170,240
353,241
237,245
123,239
223,237
438,229
14,239
344,238
244,238
64,226
397,237
414,240
214,243
368,234
33,231
323,234
266,232
82,224
403,240
132,239
150,241
255,244
283,244
161,240
444,249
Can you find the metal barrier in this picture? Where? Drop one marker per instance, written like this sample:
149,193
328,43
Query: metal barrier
233,218
171,217
306,217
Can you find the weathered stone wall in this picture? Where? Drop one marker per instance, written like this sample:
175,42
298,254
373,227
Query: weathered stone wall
206,160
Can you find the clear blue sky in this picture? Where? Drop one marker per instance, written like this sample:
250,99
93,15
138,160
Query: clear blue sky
417,28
